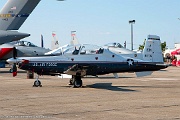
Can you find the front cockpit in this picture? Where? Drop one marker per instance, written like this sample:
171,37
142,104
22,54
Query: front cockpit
23,43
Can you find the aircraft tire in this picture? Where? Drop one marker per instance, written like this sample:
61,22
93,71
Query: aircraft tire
37,83
11,70
77,83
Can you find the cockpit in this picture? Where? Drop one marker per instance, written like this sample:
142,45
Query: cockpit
24,43
115,45
83,49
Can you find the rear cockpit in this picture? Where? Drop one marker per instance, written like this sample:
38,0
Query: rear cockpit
115,45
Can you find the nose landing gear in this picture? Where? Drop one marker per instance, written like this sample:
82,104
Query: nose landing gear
37,82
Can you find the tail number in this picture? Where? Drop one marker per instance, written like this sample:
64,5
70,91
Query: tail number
51,64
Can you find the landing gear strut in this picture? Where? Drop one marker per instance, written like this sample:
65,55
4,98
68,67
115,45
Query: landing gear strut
76,81
37,82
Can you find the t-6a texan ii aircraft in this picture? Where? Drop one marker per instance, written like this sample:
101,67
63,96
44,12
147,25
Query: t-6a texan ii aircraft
12,16
82,60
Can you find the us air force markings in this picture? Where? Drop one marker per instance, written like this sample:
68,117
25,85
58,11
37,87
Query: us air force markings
44,64
130,62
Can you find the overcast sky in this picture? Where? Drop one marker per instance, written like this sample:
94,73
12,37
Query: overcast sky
103,21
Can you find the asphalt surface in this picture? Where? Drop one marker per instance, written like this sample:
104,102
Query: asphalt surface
155,97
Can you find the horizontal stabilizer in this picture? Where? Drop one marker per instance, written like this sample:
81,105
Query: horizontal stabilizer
141,74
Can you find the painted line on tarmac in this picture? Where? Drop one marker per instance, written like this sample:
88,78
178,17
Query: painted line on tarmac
160,79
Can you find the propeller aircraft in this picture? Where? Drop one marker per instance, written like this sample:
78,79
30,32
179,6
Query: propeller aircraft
82,60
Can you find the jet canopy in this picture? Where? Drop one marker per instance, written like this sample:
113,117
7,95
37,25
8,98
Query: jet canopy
23,43
83,49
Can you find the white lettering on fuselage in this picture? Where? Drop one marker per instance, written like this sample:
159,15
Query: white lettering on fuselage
44,64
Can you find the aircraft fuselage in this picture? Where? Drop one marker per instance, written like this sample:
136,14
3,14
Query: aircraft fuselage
94,68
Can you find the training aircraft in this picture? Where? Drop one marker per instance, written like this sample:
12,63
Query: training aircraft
82,60
12,16
120,50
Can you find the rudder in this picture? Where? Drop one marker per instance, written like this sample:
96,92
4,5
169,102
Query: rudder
152,50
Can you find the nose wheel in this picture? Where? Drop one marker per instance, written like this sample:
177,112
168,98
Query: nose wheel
37,82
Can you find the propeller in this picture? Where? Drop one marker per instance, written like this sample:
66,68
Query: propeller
14,52
14,67
14,60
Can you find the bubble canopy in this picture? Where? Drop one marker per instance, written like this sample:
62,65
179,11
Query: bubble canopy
23,43
83,49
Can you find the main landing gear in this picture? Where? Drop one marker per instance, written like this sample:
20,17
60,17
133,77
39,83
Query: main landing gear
37,82
76,81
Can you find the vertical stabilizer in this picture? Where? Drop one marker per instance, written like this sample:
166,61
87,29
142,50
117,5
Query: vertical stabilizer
152,50
15,12
54,43
74,40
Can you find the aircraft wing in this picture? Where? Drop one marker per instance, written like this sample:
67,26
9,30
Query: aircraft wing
77,70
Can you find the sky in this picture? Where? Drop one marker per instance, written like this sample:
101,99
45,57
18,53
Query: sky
103,21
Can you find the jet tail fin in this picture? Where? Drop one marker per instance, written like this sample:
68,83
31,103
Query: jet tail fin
15,12
54,42
145,73
152,50
74,40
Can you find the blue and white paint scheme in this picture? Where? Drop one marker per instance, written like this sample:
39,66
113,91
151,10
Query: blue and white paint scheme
86,59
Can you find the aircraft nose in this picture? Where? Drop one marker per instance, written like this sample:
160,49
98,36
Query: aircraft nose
20,36
13,60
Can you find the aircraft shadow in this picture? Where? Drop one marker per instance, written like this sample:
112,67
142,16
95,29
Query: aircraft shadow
108,86
107,77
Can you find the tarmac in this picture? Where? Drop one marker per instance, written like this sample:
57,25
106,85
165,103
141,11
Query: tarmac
155,97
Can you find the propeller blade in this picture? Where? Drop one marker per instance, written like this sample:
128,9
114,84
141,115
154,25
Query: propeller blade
14,52
14,67
14,70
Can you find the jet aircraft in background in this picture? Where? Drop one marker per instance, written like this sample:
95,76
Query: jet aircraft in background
82,60
59,50
23,49
12,16
20,49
